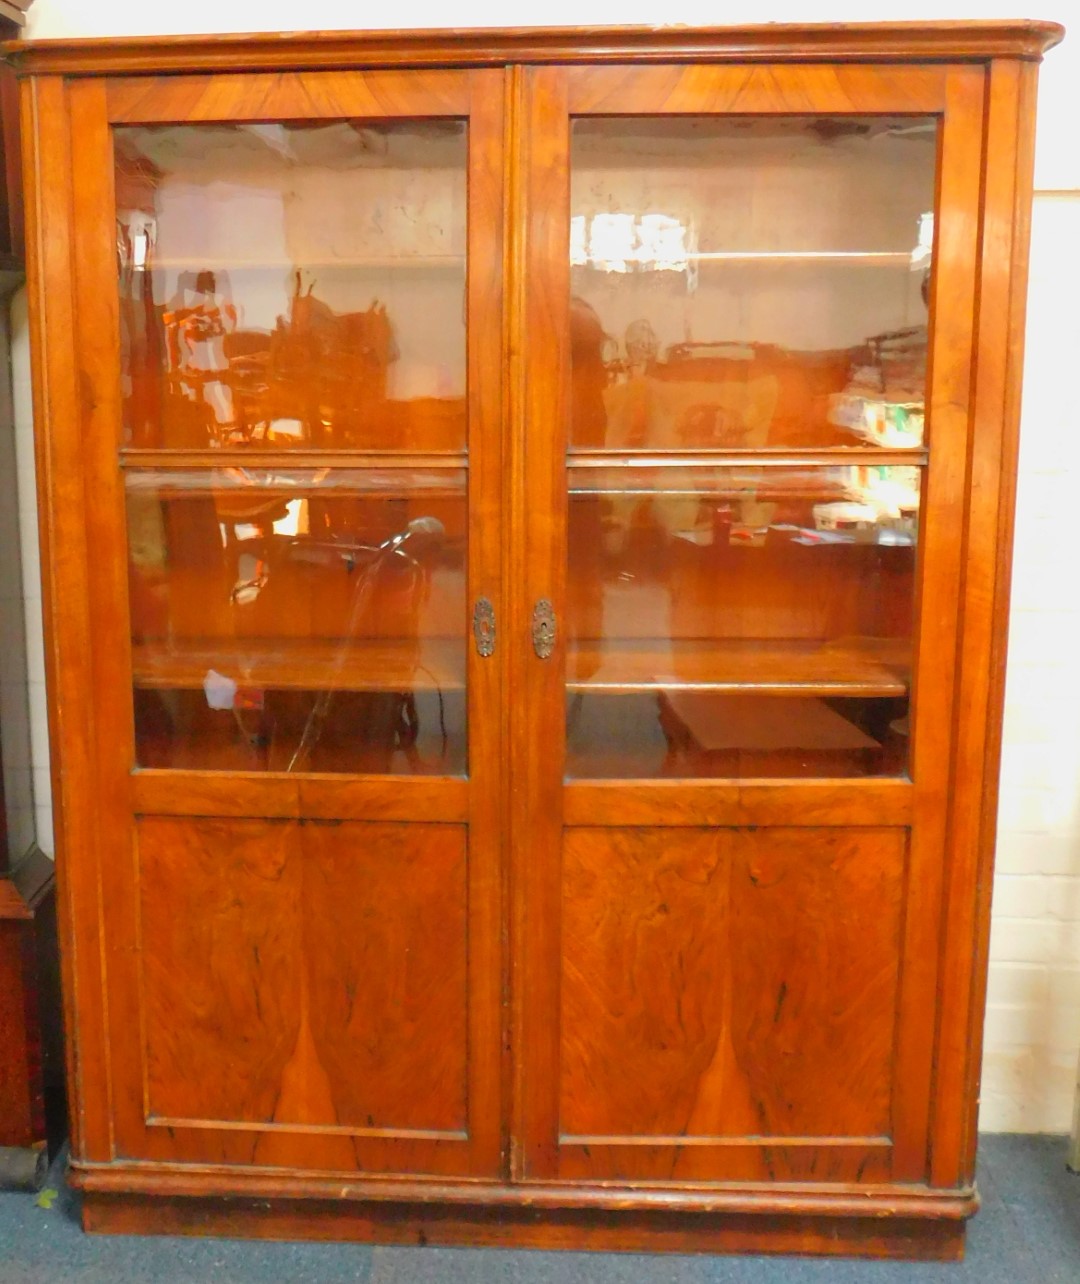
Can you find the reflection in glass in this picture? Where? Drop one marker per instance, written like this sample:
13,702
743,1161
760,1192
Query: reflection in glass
299,621
677,733
752,620
292,285
750,281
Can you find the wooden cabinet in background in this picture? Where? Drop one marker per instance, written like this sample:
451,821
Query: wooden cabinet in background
528,522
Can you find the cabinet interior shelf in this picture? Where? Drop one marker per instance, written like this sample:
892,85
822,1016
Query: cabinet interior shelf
859,667
745,457
135,457
301,457
301,664
857,258
375,262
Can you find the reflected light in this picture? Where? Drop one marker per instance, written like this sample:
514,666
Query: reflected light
295,520
921,254
625,242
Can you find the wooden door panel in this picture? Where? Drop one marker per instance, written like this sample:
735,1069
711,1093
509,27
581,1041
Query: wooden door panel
304,975
796,1039
815,961
728,985
221,941
742,1159
258,963
644,994
385,926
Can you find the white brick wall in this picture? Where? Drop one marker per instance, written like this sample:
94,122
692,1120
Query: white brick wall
14,713
31,571
1033,1016
1033,1004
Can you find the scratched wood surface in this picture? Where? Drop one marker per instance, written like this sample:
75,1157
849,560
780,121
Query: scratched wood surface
927,1229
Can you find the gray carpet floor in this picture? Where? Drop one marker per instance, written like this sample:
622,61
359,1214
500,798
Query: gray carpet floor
1028,1230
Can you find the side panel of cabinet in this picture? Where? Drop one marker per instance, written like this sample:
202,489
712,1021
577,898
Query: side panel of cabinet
1002,292
65,555
336,938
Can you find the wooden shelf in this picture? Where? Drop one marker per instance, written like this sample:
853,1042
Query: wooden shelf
845,258
303,664
376,263
862,258
744,457
857,667
814,482
255,458
192,483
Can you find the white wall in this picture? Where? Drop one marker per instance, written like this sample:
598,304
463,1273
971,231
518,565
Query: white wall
31,572
14,713
1033,1019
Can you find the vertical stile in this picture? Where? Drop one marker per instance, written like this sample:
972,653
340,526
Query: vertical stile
949,407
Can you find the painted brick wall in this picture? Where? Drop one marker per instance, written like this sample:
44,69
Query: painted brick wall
1033,1005
31,573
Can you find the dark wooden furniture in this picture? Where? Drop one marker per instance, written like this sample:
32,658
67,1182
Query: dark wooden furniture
31,1061
528,526
12,17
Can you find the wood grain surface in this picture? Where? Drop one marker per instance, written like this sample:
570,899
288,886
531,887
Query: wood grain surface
845,667
734,803
47,158
328,96
349,664
753,89
987,578
750,978
939,639
824,42
928,1232
284,1064
289,977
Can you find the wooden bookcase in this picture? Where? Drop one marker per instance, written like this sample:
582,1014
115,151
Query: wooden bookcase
527,521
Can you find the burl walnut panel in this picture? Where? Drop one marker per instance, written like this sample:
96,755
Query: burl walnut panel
304,973
729,983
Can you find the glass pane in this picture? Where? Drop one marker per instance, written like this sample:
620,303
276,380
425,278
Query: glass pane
293,284
740,621
299,621
750,281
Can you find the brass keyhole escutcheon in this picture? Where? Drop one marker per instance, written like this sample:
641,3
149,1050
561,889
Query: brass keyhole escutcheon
543,628
483,626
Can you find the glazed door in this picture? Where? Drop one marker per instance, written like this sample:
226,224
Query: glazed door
291,309
743,429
